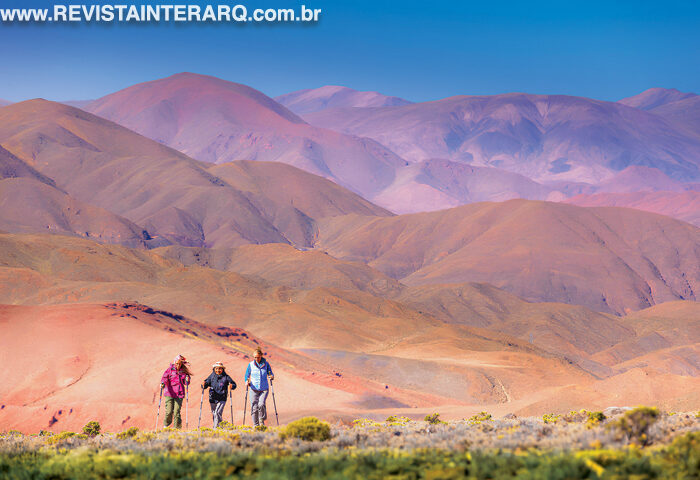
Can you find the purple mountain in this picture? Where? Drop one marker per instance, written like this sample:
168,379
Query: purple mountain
544,137
680,109
332,96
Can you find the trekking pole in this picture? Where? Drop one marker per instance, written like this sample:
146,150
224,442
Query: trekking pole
158,414
201,400
273,402
245,403
187,401
230,397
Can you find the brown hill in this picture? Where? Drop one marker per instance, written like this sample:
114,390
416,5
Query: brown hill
659,331
172,196
320,318
13,167
101,163
558,328
608,259
571,330
292,199
29,206
279,264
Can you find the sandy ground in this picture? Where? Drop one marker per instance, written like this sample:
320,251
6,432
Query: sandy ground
66,365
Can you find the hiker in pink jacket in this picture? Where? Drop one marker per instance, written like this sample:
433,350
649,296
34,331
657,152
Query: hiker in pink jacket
173,382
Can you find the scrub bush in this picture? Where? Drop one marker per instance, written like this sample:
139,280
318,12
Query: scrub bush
307,428
635,424
394,420
479,417
130,432
65,436
550,418
679,460
91,429
433,419
594,418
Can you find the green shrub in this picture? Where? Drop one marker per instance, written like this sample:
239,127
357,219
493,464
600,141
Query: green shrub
433,419
397,420
683,456
365,422
479,417
64,436
91,429
226,425
550,418
45,433
635,424
680,460
130,432
594,418
307,428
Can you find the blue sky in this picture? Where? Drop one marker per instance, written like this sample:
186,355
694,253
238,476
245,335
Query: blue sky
416,50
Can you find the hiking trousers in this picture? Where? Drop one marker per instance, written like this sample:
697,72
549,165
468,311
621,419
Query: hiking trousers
217,411
258,411
172,412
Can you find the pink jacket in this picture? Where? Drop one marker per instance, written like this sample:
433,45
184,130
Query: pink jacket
174,382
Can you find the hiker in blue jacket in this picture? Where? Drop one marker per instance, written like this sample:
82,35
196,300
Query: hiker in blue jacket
256,378
219,384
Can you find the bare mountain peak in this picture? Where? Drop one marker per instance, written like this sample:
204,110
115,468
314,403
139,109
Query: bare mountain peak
335,96
656,97
217,121
182,91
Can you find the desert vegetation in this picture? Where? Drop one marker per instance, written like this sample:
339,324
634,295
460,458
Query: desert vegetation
641,442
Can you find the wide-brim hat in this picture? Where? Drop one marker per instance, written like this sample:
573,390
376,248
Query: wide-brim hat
218,364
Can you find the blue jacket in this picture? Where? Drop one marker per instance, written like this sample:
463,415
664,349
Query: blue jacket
258,374
218,385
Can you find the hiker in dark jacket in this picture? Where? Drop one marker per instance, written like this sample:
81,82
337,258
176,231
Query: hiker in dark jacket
219,384
256,378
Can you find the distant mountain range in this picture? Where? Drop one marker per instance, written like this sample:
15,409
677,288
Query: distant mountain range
410,157
547,138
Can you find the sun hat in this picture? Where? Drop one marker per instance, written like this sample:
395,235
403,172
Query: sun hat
218,364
